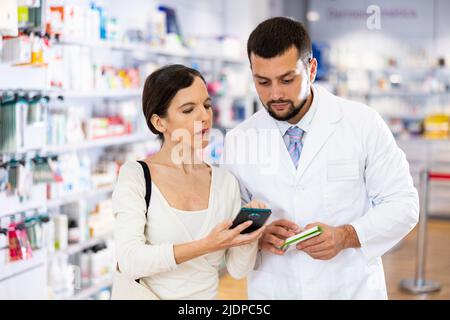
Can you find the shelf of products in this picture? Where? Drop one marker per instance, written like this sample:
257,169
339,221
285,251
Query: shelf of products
8,270
102,94
415,102
100,143
54,125
92,193
9,209
143,48
78,247
75,236
51,181
115,94
88,292
413,97
58,167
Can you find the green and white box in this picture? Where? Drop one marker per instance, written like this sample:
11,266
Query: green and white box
302,236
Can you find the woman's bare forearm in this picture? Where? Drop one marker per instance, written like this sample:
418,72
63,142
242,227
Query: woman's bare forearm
190,250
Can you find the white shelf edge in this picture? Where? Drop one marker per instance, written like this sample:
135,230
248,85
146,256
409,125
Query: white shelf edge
98,143
78,247
422,140
398,93
148,49
103,93
104,142
52,203
84,94
91,290
11,268
58,201
61,149
23,207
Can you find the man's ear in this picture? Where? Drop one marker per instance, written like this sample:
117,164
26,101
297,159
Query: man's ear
159,123
312,69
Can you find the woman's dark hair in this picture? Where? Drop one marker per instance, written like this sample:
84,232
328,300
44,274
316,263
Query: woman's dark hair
161,87
275,36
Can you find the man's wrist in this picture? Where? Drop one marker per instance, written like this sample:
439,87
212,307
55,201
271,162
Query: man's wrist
350,237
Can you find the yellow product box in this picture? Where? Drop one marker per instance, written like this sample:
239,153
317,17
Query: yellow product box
437,126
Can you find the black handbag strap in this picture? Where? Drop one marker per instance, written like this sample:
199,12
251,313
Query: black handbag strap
148,185
148,193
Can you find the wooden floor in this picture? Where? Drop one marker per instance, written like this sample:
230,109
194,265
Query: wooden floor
399,264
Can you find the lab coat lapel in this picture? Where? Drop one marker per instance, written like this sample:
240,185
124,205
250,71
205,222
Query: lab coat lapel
322,127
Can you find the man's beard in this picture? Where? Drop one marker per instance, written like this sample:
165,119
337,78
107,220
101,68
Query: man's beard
292,110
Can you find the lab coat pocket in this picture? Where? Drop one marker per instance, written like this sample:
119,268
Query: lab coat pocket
339,170
343,184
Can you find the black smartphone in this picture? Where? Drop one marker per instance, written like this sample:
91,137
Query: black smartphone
257,215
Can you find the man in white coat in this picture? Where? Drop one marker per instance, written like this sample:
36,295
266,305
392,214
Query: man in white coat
317,159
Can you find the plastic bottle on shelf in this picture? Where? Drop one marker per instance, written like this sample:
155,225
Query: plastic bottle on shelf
94,23
70,272
48,236
99,19
9,19
62,277
82,220
99,262
55,277
37,49
85,267
74,231
61,231
157,27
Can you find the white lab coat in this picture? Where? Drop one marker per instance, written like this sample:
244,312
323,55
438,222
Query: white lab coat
350,172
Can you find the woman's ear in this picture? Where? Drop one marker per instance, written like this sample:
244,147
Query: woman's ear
159,123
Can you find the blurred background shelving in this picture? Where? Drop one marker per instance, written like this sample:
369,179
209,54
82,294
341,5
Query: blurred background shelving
75,71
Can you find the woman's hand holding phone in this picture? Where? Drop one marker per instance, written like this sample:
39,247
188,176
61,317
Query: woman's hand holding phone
222,237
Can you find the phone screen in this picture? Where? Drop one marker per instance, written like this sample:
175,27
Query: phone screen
258,216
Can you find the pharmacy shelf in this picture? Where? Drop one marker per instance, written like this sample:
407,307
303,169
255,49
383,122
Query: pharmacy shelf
85,293
99,143
403,94
100,94
14,209
423,140
23,207
397,94
78,247
402,116
147,49
10,209
84,94
9,269
78,196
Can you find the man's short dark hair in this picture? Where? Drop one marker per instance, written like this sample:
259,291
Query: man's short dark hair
275,36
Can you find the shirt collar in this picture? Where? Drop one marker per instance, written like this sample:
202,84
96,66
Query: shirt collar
305,122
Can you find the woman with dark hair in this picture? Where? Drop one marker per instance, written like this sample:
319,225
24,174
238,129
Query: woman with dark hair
176,249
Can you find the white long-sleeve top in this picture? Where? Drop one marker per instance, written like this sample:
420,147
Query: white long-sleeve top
144,247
